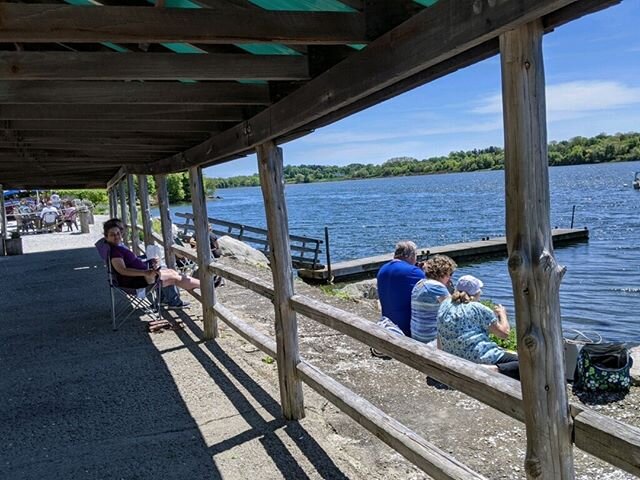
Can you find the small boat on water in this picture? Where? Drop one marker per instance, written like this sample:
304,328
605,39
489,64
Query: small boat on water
636,181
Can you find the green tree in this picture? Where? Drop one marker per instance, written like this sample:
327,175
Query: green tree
175,188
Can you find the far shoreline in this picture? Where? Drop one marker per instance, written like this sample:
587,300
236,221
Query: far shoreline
420,174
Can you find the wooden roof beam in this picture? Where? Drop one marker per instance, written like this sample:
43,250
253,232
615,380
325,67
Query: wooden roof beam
426,40
112,149
69,24
14,156
148,113
73,136
117,92
150,66
133,126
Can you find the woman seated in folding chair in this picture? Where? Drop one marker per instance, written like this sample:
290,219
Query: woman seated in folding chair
133,272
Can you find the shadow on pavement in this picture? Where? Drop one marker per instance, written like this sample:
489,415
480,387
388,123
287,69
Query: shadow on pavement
79,400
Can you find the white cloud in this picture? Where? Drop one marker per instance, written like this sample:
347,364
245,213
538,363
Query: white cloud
449,127
565,99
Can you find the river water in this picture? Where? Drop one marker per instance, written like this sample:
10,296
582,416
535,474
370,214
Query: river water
600,291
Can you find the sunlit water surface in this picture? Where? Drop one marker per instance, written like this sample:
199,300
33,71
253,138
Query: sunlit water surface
600,291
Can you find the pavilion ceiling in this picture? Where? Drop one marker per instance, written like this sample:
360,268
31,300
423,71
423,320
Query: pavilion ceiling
86,90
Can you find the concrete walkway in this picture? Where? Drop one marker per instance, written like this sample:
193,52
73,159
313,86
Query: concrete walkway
81,401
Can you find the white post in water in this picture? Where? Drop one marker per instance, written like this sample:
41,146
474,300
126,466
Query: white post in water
201,224
135,239
165,220
272,183
535,274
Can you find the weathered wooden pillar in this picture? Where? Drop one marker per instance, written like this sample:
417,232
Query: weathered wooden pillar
145,211
135,238
535,274
201,224
113,203
165,220
3,214
124,216
272,183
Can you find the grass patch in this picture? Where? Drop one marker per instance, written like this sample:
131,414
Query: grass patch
334,291
268,360
509,343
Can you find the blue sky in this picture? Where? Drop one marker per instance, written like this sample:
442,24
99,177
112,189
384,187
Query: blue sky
593,85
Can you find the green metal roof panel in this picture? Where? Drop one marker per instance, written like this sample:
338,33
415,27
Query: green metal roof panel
303,5
267,49
182,48
178,4
426,3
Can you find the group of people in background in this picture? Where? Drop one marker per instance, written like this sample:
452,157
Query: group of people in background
419,300
48,214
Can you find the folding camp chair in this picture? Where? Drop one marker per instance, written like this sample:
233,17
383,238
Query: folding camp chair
184,265
145,300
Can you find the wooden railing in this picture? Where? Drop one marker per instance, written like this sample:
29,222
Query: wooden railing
608,439
307,250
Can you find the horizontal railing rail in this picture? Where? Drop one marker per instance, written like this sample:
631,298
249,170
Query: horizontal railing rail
297,243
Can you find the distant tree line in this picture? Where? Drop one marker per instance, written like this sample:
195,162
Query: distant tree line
602,148
177,188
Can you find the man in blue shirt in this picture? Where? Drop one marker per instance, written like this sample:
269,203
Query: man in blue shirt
396,280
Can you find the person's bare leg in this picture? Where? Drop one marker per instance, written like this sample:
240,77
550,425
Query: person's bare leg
171,277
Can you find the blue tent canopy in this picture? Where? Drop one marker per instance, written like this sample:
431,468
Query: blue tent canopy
8,193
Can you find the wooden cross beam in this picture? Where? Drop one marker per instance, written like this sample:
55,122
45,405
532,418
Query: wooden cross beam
148,113
14,156
69,24
72,136
138,126
115,92
150,66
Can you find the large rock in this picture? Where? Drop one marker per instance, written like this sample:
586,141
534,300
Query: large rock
364,289
635,369
242,252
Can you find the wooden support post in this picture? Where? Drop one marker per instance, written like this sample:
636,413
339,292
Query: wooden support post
535,275
3,221
288,357
135,238
201,225
124,216
113,205
147,226
165,220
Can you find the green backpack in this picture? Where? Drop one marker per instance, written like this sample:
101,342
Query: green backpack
603,367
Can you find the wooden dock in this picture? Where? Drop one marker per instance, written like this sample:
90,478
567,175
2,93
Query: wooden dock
461,252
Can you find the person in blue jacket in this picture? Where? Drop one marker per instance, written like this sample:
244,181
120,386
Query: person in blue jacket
396,280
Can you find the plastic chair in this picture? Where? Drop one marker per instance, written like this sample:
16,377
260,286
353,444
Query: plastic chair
145,300
50,221
70,218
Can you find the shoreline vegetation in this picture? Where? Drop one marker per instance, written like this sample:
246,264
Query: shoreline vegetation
621,147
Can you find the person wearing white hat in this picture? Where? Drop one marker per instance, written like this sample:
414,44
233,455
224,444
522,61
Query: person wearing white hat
464,325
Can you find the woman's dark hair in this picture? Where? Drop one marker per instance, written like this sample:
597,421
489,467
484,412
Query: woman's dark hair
112,223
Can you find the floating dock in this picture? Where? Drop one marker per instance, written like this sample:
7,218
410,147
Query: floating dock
461,252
